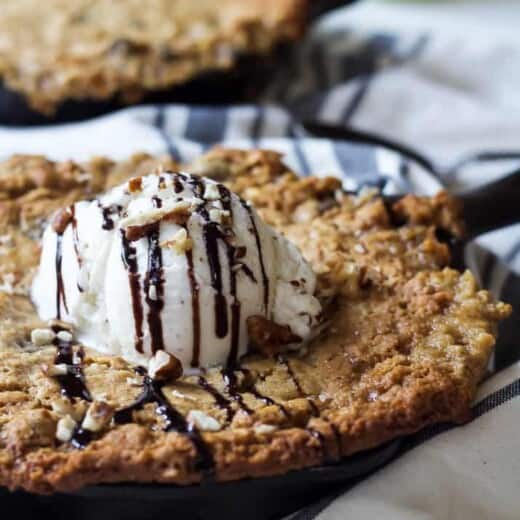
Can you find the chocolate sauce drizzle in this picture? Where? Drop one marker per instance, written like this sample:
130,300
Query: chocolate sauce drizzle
261,397
75,240
174,421
107,212
129,257
81,438
285,362
154,280
265,278
211,235
315,412
73,382
157,201
73,386
60,289
75,237
195,308
220,400
177,184
229,375
230,378
225,198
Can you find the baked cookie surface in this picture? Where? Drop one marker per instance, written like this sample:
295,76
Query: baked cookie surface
59,50
404,343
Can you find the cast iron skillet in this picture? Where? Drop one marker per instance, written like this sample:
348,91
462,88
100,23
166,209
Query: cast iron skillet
244,82
488,207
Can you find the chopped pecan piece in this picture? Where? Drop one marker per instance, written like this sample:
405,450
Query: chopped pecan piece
61,220
98,416
134,233
178,216
135,184
267,336
164,366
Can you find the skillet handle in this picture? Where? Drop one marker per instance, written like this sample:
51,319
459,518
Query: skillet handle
319,7
492,206
488,207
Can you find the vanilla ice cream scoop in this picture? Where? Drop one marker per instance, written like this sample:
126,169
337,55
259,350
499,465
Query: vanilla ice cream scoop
171,262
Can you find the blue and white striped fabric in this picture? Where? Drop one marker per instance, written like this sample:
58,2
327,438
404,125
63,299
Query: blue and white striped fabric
394,81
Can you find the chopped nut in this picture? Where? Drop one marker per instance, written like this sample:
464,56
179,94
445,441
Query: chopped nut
178,217
8,283
267,336
7,240
62,407
180,242
142,224
42,336
55,370
180,395
365,194
263,429
323,397
360,248
372,395
221,216
133,233
164,366
135,184
60,325
64,335
65,428
98,415
101,396
203,421
61,220
211,192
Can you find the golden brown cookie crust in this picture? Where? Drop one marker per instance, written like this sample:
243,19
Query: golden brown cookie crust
407,338
58,50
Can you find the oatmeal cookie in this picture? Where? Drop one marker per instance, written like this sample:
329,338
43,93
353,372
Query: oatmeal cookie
404,343
59,50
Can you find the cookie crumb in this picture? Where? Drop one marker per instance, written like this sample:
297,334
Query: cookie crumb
265,429
164,367
180,243
211,192
65,428
98,416
203,421
64,335
42,336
